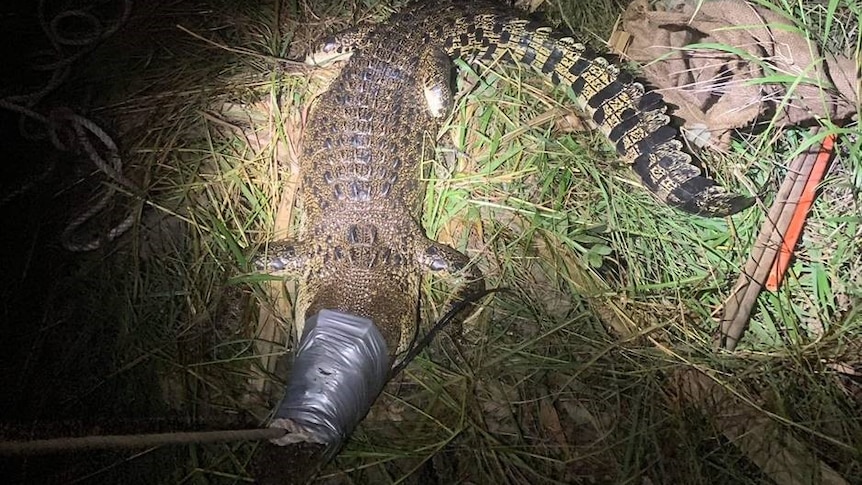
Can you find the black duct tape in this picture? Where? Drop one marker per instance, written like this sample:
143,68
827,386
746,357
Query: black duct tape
339,371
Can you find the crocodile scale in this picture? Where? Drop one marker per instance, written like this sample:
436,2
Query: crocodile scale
361,248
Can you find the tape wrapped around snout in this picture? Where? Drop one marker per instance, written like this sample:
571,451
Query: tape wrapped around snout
339,370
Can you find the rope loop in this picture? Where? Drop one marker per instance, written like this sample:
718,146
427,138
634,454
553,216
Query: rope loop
79,30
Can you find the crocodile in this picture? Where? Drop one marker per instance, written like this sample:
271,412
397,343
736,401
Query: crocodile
361,248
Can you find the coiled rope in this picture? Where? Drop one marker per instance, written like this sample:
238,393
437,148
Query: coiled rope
89,31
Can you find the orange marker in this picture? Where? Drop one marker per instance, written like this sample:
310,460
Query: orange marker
788,242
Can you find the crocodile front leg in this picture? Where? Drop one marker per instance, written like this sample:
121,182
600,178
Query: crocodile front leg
286,258
435,258
283,258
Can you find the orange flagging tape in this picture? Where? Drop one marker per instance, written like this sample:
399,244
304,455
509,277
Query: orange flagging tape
794,230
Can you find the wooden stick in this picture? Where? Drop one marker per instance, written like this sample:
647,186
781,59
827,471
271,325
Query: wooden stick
737,309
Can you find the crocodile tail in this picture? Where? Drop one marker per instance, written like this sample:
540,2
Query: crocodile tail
633,119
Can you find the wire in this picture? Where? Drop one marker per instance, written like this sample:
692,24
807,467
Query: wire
414,351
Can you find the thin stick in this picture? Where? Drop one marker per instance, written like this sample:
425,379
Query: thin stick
112,442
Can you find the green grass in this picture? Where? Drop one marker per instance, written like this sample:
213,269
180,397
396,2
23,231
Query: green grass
587,372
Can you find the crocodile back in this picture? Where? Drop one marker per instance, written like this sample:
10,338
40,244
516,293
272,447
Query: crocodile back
366,138
363,144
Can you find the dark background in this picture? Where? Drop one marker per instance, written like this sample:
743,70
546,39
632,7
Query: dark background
58,343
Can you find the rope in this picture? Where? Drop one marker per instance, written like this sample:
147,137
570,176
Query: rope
114,170
86,41
121,442
89,31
